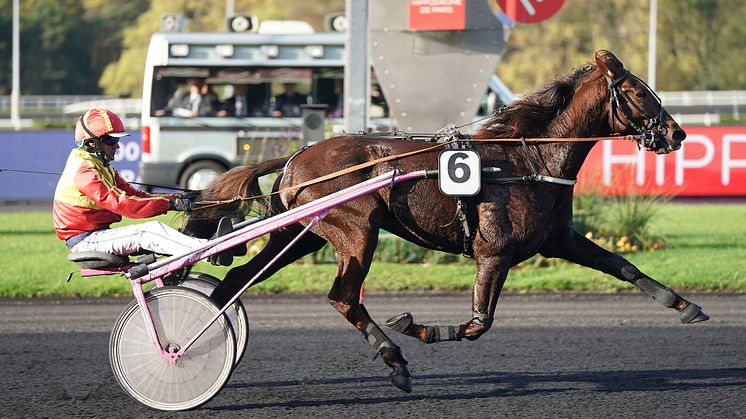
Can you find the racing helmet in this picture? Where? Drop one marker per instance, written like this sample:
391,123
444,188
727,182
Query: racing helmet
97,123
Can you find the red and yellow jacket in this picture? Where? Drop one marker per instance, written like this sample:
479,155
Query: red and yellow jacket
91,196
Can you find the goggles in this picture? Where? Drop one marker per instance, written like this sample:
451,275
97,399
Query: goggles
109,140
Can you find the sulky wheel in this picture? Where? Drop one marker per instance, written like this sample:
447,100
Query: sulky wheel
236,313
178,314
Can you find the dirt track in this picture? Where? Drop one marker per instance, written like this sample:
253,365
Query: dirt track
547,356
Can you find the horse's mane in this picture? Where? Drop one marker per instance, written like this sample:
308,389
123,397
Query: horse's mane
530,115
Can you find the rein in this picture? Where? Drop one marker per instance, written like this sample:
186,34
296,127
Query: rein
534,175
37,172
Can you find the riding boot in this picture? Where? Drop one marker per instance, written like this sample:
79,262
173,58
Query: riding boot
224,258
241,249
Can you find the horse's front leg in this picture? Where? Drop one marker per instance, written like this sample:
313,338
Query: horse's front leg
491,274
575,247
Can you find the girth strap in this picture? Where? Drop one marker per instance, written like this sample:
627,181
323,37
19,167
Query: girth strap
461,212
463,203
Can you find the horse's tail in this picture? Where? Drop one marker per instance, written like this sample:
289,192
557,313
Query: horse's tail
218,199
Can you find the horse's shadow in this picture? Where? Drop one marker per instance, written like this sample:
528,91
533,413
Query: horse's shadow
511,384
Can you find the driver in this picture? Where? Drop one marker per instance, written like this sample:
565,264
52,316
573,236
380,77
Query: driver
91,195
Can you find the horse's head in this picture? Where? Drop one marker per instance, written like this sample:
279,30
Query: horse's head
635,109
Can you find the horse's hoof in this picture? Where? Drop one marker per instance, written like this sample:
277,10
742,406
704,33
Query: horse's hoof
692,313
402,379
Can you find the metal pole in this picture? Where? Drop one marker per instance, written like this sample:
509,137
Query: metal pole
652,43
229,9
15,90
357,66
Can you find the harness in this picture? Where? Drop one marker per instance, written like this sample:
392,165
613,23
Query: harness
465,206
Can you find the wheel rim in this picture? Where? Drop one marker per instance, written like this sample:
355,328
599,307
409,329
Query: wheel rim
201,178
198,376
236,313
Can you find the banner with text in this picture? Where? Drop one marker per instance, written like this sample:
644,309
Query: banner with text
437,15
711,162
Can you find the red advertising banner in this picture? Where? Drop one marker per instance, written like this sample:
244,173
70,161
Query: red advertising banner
711,162
437,15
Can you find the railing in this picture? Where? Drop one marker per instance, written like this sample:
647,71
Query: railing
120,106
704,107
704,98
37,106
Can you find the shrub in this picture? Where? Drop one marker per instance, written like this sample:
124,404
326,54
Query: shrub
619,223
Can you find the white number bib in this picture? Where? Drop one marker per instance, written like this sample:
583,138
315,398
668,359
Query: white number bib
459,172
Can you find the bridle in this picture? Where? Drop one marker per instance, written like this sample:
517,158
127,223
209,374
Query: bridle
653,133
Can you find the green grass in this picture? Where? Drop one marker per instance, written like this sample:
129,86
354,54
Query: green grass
707,252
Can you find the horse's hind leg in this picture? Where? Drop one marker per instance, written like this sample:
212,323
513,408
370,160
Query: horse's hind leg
239,276
491,274
576,248
354,256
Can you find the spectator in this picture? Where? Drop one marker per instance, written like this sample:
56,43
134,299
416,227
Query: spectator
188,102
238,104
289,102
210,104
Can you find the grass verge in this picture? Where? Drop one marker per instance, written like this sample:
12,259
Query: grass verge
707,253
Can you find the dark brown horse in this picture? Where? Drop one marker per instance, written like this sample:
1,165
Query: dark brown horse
512,221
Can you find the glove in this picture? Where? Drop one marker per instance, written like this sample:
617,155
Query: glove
180,204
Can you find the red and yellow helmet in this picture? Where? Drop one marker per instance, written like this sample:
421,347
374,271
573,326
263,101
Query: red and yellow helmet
96,123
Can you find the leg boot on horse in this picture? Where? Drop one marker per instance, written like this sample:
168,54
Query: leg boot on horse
575,247
493,263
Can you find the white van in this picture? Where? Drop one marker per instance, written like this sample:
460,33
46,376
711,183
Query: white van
188,145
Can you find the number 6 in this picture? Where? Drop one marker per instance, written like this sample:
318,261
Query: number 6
460,172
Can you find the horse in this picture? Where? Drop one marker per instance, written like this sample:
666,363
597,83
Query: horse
510,221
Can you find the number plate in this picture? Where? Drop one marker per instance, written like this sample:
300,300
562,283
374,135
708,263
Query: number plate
459,172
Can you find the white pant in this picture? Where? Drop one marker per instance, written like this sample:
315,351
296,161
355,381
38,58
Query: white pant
153,236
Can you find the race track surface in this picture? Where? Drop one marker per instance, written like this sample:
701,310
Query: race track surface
546,356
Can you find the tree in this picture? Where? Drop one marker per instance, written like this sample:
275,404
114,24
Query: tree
699,43
6,52
107,20
537,52
64,44
702,48
55,56
85,46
